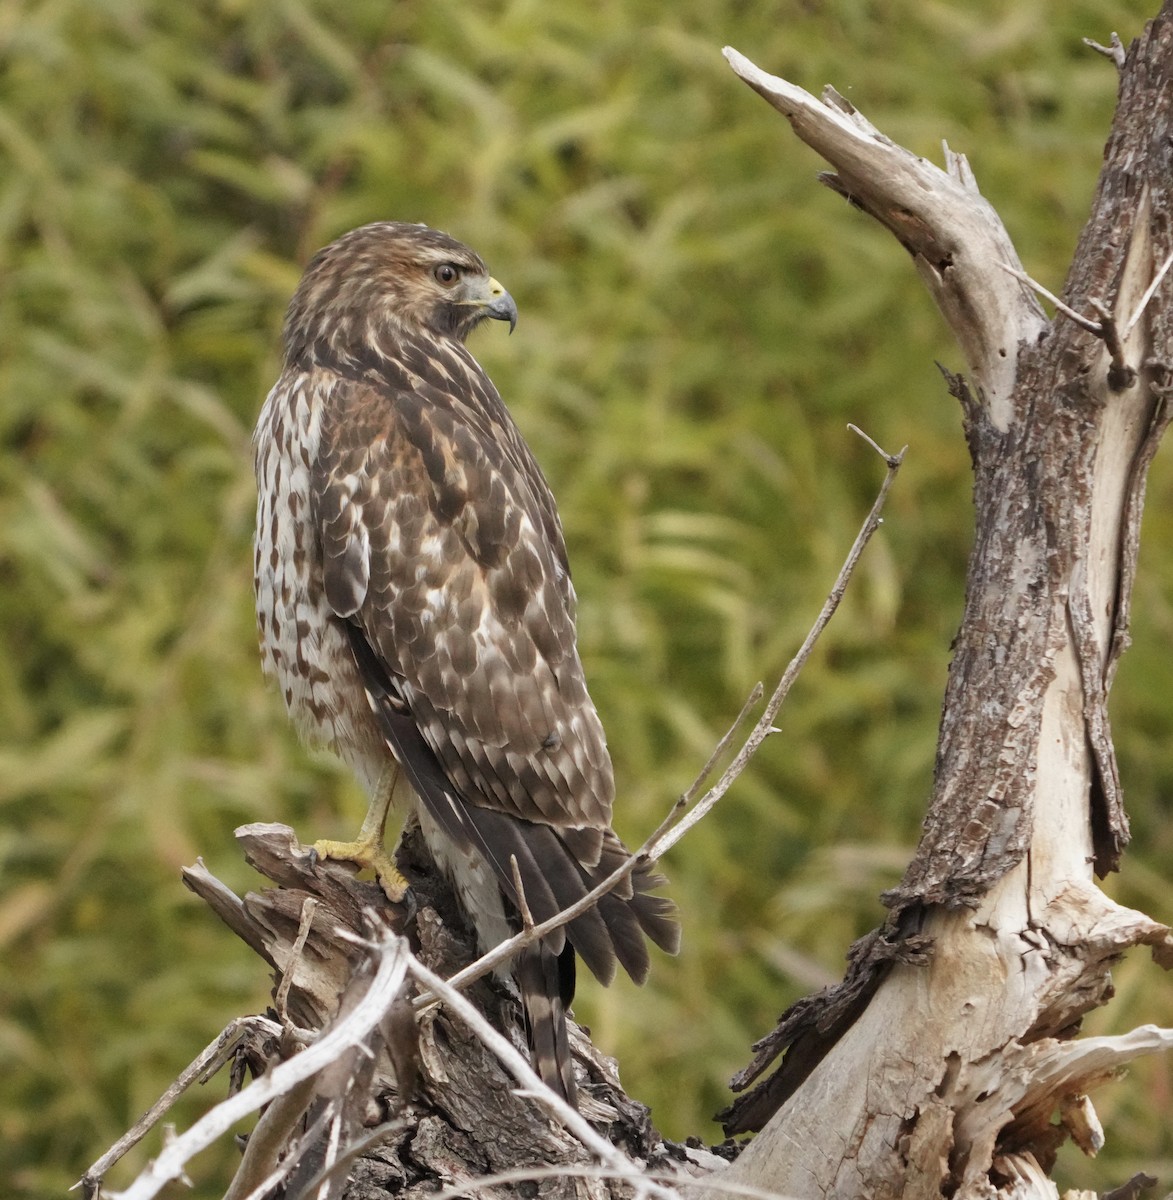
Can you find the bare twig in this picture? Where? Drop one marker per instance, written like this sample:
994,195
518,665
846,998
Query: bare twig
527,917
1150,292
518,1065
353,1151
1082,321
259,1168
266,1186
675,826
293,1159
719,749
331,1156
765,725
204,1064
583,1171
345,1034
1120,375
1115,51
891,459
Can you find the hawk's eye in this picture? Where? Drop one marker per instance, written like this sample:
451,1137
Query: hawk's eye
446,274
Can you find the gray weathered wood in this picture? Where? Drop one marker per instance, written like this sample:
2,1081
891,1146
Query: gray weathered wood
934,1065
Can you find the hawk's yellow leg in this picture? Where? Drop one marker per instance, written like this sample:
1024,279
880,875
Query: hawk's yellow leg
368,849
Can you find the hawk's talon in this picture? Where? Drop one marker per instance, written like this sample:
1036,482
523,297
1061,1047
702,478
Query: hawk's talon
368,855
411,910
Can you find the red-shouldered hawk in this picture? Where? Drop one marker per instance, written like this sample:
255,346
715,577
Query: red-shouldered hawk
415,606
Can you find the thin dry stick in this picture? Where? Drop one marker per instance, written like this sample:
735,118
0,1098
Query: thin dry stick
718,750
765,725
293,1158
1120,375
260,1167
674,827
527,917
583,1171
206,1063
1115,51
347,1033
308,908
1082,321
354,1150
266,1186
518,1065
1150,292
1106,326
323,1191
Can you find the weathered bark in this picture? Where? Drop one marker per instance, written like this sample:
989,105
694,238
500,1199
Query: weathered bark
936,1066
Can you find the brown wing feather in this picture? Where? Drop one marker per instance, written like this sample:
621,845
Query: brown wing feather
440,541
539,978
552,875
442,549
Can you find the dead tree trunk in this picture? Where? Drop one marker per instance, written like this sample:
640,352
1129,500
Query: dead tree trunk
936,1066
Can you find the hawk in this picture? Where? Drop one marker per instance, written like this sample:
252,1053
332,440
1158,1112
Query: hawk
414,605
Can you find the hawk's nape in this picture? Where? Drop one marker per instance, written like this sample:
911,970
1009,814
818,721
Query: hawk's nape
414,604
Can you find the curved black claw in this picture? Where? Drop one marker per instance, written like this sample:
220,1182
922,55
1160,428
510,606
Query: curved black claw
411,909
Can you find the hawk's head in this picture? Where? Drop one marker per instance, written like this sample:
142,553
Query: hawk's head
387,278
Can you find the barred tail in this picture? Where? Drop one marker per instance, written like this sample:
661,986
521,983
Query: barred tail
545,990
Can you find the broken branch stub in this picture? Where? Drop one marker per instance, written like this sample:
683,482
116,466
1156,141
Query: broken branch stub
955,237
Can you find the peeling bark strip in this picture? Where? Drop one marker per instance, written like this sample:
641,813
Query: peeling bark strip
929,1073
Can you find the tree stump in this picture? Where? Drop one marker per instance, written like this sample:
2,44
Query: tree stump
450,1112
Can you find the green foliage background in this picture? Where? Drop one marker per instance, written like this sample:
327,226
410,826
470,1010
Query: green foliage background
700,320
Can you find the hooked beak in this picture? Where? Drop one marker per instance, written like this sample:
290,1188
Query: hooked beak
500,305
